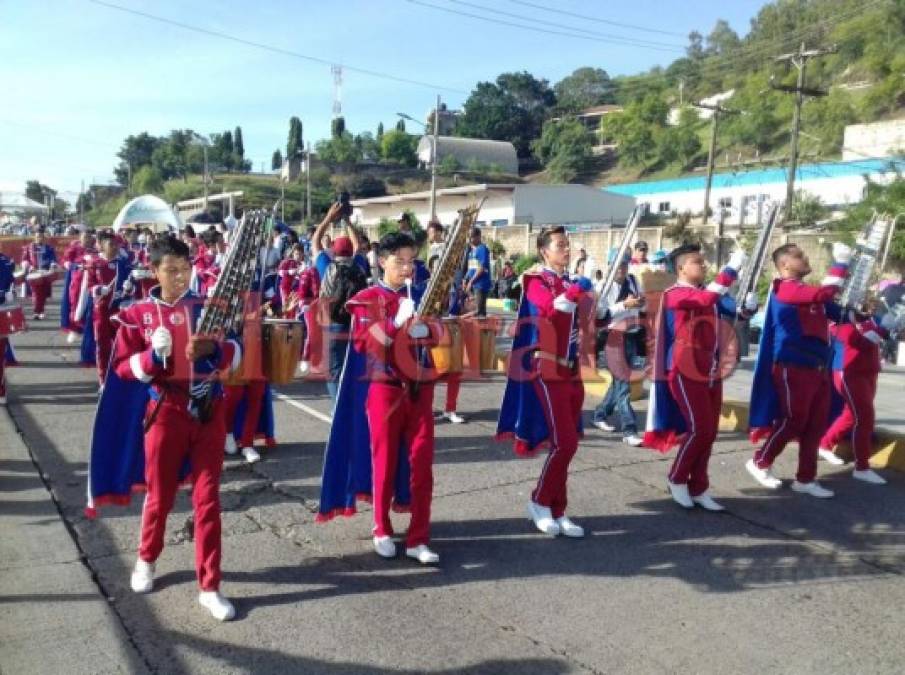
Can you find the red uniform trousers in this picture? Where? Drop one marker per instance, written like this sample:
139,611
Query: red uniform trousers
104,335
173,436
561,397
41,289
75,292
394,418
699,402
3,366
857,419
453,384
804,404
253,391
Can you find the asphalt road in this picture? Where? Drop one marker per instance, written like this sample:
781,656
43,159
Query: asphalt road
779,583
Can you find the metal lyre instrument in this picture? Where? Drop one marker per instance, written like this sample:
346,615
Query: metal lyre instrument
748,276
627,235
868,257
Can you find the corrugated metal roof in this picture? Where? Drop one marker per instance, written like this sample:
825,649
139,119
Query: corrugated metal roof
762,176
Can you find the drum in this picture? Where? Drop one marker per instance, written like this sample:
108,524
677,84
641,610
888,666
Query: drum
19,277
488,348
141,274
282,340
449,353
12,320
37,275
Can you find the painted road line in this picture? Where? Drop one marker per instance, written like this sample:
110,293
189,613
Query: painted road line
304,408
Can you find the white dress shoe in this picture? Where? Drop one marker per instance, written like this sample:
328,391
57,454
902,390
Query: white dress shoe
142,580
2,400
385,547
72,337
813,488
706,502
423,554
830,457
219,607
454,417
869,476
680,494
603,425
633,440
763,476
569,528
251,455
230,445
543,519
304,368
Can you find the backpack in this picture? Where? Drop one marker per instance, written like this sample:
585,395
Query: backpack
342,280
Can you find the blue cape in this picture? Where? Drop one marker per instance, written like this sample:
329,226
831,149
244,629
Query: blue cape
347,459
65,305
88,353
764,406
665,423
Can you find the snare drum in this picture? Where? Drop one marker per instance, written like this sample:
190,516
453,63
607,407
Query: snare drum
142,274
283,340
38,275
19,277
12,320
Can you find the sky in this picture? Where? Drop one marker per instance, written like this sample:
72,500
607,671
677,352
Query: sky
78,76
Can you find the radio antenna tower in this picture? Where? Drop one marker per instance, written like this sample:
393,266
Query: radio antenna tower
337,90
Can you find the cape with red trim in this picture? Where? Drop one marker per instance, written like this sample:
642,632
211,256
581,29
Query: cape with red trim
65,304
665,424
347,475
764,405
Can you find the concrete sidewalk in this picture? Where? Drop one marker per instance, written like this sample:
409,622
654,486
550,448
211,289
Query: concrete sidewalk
54,617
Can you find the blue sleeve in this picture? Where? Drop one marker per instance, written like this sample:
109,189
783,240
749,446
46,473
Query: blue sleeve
321,263
726,306
836,313
483,255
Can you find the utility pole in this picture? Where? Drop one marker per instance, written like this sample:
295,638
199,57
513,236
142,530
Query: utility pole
308,181
82,203
798,59
434,154
716,110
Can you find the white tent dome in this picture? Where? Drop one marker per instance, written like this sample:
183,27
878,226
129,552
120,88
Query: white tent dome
148,211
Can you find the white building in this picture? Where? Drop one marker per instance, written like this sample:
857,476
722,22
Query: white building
740,196
506,204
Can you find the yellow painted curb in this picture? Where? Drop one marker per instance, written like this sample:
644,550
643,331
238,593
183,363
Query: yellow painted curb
597,385
734,416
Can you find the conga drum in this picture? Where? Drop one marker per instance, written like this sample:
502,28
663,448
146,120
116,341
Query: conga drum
12,320
488,328
282,340
449,353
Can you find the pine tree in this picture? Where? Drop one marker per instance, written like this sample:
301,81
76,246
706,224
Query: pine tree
276,161
400,125
379,131
295,145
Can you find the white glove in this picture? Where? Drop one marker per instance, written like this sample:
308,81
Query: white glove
100,291
842,253
405,312
418,331
162,342
563,304
751,302
737,260
127,286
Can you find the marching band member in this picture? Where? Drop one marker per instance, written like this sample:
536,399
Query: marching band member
7,267
687,390
790,398
155,345
73,262
856,368
39,257
105,276
381,378
544,392
288,272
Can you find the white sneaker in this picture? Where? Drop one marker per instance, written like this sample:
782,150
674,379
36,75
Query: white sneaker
2,400
869,476
813,488
304,368
569,528
423,554
385,547
454,417
219,607
680,496
706,502
603,425
142,580
830,457
543,519
251,455
41,317
763,476
100,390
633,440
72,337
230,447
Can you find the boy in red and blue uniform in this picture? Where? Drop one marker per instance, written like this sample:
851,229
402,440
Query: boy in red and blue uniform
790,398
39,256
75,258
7,268
105,278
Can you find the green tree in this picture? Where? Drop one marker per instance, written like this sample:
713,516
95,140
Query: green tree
565,148
295,144
136,151
379,131
400,125
35,190
239,151
584,88
147,180
368,148
807,209
337,127
722,40
276,160
398,147
339,150
448,165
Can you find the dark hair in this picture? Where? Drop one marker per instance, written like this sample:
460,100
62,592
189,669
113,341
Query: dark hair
168,245
546,236
676,255
781,251
641,244
475,232
189,231
210,237
105,235
40,229
392,242
436,225
419,236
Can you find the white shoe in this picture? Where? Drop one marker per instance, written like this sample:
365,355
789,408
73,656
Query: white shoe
543,519
304,368
706,502
680,496
763,476
568,528
230,446
219,607
633,440
454,417
813,488
142,580
385,547
830,457
603,425
869,476
41,317
251,455
100,390
72,337
423,554
2,400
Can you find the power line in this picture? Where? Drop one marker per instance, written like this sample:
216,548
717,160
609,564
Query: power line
622,41
597,19
269,48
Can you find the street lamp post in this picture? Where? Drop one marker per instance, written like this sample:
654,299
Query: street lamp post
203,142
434,154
